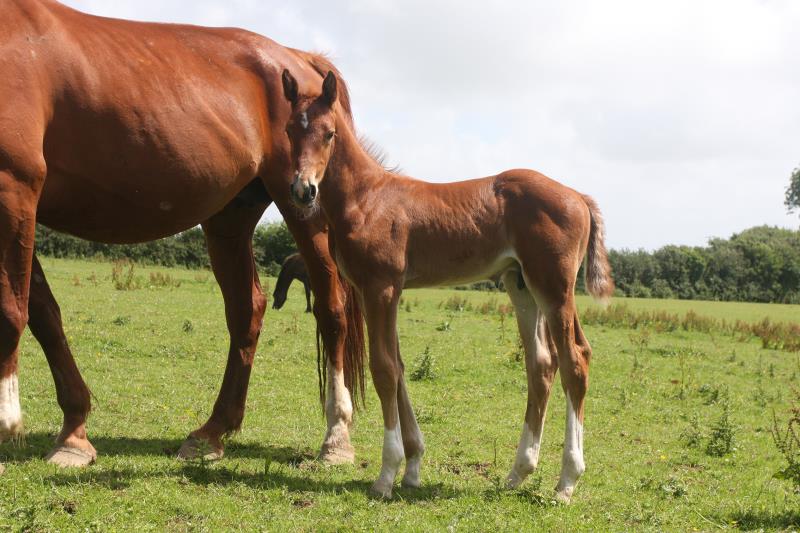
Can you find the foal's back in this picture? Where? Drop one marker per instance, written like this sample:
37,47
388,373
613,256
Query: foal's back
474,229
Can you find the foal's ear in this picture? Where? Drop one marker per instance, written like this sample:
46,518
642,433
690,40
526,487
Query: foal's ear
289,87
330,92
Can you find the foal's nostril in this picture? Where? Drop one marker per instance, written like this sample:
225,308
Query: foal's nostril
312,191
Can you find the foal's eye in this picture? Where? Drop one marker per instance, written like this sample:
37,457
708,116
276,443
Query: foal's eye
329,136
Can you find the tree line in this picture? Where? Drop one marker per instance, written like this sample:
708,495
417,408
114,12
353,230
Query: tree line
761,264
272,243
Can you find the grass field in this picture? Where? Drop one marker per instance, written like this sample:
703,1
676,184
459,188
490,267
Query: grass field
154,358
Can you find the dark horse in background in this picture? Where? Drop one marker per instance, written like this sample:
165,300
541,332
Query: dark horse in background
293,268
123,132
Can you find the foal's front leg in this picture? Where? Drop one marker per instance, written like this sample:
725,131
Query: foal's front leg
380,305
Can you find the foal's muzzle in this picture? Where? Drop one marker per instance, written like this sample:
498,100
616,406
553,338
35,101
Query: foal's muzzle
304,191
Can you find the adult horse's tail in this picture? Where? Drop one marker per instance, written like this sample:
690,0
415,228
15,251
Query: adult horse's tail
354,349
599,282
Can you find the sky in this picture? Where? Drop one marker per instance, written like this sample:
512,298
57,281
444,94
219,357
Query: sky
681,117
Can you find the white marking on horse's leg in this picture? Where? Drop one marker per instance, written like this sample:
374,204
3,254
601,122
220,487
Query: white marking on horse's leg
391,457
10,411
527,456
539,368
572,465
336,448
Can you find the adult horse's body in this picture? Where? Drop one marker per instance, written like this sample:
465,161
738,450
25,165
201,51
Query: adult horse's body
393,232
122,131
293,268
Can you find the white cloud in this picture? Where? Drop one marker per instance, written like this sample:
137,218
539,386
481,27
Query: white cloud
681,118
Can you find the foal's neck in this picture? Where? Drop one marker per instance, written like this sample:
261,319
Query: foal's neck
352,175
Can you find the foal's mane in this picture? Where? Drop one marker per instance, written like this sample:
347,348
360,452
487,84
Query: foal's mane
377,154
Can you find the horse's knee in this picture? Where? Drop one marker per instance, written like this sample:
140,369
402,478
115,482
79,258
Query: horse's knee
331,317
257,321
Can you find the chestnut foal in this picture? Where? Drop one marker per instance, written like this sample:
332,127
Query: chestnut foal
392,232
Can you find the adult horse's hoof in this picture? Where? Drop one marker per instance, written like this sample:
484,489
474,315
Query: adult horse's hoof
2,469
68,457
196,448
341,455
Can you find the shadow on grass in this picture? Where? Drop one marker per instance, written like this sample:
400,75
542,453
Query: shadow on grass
752,520
284,477
38,445
291,469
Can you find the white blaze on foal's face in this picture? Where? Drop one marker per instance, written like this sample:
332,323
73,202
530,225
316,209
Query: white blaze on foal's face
10,412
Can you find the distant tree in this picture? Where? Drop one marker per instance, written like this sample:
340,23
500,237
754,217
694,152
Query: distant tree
272,243
793,191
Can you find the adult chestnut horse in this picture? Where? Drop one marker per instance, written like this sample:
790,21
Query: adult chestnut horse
120,131
393,232
293,268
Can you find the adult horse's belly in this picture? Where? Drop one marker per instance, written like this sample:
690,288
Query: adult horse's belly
134,211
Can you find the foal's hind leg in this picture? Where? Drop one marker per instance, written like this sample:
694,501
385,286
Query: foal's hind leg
413,443
574,354
540,366
72,445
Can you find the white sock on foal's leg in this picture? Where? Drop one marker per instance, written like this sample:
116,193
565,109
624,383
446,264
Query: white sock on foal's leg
527,456
572,465
392,456
10,411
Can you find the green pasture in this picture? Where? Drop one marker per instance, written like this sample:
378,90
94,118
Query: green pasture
154,358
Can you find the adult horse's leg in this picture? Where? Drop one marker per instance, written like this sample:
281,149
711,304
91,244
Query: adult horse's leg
329,309
19,195
72,445
307,287
229,235
540,367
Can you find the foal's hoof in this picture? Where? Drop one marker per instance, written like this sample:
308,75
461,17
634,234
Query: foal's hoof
381,490
2,469
411,482
195,448
514,478
342,455
68,457
564,495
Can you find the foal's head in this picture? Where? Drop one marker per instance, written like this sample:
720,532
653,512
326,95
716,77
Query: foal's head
312,131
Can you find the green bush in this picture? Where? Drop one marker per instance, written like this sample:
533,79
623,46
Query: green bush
272,243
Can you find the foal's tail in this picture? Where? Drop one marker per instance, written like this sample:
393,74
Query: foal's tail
354,349
599,282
